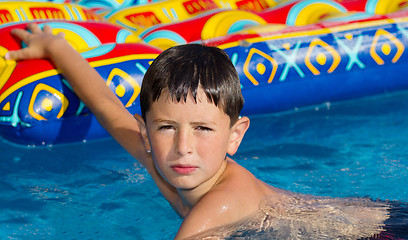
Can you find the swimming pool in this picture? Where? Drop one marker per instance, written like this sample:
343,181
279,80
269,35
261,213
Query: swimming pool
95,190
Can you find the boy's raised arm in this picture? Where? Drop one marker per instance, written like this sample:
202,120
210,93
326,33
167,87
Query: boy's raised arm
86,82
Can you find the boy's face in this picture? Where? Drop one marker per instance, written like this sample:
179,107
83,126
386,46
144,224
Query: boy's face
189,141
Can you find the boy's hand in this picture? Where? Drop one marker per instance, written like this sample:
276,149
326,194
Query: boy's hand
39,42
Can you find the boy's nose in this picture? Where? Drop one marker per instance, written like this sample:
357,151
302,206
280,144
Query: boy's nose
184,142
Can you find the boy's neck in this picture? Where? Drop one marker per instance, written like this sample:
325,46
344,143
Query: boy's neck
192,196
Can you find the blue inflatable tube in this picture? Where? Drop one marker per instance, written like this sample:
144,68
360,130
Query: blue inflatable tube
281,71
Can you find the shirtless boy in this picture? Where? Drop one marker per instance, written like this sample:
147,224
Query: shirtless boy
190,101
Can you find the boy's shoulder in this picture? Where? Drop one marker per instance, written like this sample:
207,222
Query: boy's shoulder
236,196
238,188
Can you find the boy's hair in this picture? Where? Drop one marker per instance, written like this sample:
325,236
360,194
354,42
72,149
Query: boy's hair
185,69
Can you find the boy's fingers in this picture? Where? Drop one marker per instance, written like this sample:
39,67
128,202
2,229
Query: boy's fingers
34,28
21,34
47,29
61,34
9,56
18,55
12,55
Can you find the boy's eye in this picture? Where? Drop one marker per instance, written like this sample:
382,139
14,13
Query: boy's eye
166,127
205,129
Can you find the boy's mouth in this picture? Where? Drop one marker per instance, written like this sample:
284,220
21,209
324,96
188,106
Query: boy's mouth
183,169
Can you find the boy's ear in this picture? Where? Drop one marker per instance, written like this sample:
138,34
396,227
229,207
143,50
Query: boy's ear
143,131
237,134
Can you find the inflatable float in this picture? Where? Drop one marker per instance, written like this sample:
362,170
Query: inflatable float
289,54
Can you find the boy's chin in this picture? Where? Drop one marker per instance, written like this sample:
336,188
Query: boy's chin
183,186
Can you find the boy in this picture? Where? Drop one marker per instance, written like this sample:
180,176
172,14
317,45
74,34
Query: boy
190,101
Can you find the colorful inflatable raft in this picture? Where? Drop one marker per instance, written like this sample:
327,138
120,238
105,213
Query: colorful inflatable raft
289,54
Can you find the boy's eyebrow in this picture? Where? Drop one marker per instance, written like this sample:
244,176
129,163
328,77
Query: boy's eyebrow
174,122
202,123
164,121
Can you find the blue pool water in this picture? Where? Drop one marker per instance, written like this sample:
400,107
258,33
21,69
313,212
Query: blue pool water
95,190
